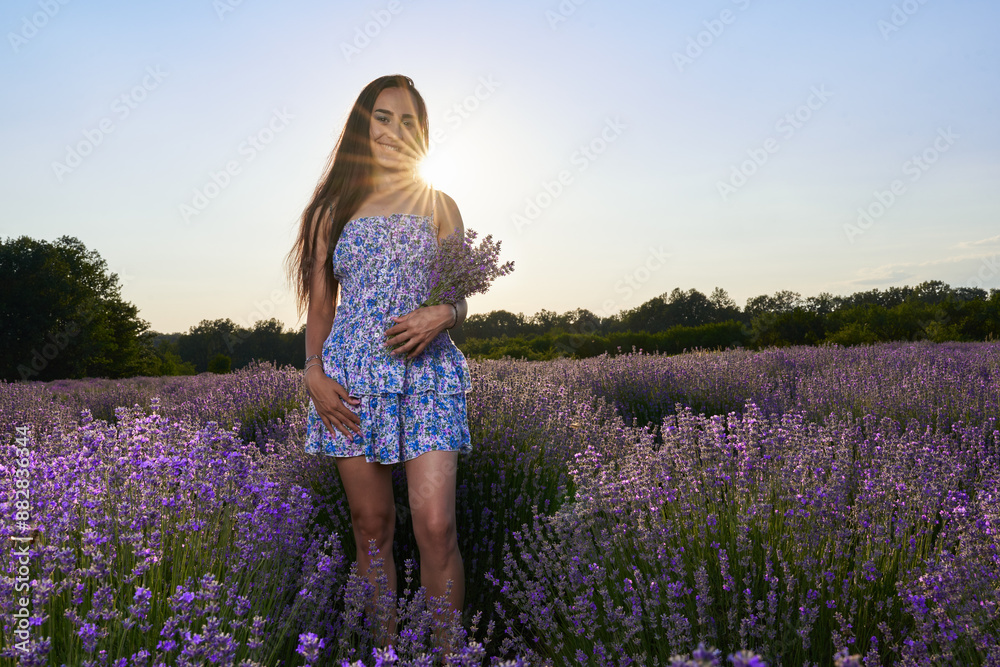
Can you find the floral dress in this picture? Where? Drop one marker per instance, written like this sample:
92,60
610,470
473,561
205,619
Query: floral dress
407,407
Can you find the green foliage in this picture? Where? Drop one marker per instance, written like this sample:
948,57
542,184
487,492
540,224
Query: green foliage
855,333
931,311
677,339
797,326
670,323
168,358
62,315
265,341
220,364
538,348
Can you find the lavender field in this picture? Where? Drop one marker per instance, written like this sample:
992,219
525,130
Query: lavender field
813,506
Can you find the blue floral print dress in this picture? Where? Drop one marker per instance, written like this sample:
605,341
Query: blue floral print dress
407,407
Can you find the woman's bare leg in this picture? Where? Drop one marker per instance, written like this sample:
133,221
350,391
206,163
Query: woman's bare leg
373,517
431,481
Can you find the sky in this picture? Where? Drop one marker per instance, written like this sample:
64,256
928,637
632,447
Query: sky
618,150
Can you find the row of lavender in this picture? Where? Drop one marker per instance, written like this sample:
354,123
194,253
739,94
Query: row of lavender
937,385
828,499
165,538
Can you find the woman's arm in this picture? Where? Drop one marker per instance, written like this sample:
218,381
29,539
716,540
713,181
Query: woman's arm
327,394
319,317
416,329
321,309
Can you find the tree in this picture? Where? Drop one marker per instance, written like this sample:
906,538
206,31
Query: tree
822,304
724,306
690,308
168,355
543,321
62,315
798,326
653,315
494,324
220,364
208,339
932,291
783,301
582,320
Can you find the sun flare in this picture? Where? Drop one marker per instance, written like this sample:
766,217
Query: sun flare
434,169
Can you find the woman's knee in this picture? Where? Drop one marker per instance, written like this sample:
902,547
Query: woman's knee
436,531
374,524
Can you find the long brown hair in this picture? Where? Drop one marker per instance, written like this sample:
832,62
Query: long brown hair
345,184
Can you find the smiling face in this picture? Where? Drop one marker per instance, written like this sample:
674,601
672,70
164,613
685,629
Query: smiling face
395,131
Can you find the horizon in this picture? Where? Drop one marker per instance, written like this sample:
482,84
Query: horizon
804,298
616,151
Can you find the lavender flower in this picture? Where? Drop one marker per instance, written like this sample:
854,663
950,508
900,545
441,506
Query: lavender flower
385,656
460,269
309,646
619,508
746,658
842,658
89,634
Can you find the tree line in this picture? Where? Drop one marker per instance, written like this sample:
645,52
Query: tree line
684,320
62,316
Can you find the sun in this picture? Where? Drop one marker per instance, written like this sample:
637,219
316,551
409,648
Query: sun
436,169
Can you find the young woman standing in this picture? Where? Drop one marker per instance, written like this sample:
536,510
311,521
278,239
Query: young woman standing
386,383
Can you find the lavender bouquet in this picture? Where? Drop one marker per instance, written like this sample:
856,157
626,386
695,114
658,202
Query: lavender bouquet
460,268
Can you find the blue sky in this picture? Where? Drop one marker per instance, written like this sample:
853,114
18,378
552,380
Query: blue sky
618,150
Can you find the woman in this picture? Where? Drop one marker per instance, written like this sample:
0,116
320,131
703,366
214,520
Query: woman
386,383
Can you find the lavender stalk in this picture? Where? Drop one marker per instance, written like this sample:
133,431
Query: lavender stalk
460,268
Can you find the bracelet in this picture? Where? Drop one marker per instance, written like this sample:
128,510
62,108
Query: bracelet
455,323
315,356
310,366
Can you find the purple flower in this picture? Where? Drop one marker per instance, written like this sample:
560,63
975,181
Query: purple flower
166,645
746,658
842,658
460,269
309,646
88,634
706,654
385,656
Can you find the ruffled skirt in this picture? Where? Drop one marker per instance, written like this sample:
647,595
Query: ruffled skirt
396,427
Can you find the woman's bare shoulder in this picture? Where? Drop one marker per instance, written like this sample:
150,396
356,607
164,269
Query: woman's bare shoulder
444,198
449,216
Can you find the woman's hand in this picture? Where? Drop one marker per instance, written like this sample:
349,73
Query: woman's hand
331,399
416,329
